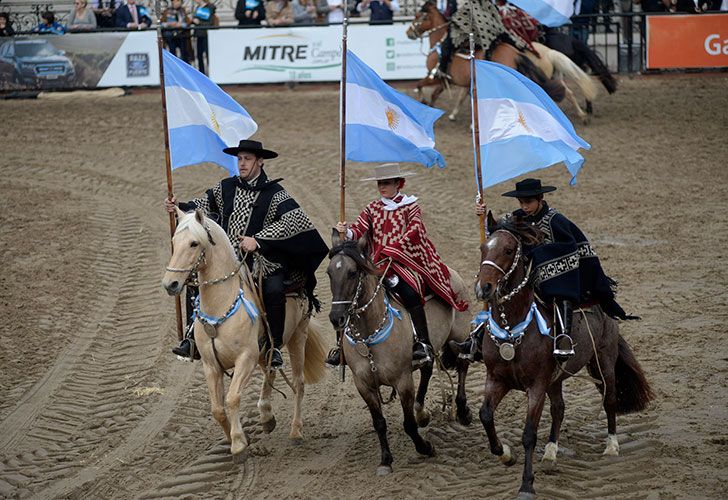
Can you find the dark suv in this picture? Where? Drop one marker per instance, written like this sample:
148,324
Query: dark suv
36,63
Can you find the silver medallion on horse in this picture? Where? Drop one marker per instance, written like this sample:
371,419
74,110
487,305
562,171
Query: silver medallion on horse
507,351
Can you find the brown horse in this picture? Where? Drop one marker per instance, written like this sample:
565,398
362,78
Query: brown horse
377,342
549,68
518,358
430,22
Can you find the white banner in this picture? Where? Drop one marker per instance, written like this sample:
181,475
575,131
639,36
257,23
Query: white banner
136,62
311,54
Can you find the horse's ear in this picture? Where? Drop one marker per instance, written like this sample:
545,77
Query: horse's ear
361,244
199,216
180,213
335,238
490,222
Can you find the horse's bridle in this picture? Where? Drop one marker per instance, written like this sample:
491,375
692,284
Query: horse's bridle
506,274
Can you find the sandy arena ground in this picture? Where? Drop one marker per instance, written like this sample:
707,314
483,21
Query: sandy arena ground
95,406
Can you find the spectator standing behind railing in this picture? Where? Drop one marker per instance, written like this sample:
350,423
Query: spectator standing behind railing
691,6
6,25
278,13
249,12
133,16
81,18
49,25
304,11
105,11
332,9
382,11
203,16
174,21
580,25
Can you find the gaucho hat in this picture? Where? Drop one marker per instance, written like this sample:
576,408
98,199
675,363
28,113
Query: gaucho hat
249,146
528,188
387,171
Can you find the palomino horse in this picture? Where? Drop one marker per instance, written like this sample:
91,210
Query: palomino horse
377,342
517,351
550,68
229,302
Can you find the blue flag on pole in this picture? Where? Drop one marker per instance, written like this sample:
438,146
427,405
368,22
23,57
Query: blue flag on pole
553,13
521,128
201,117
383,124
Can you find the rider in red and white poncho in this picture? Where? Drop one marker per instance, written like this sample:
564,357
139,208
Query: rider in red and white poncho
394,229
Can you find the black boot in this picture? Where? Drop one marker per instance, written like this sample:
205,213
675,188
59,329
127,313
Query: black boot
334,357
422,353
276,314
187,348
563,344
470,348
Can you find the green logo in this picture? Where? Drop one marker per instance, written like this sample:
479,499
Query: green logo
390,42
390,54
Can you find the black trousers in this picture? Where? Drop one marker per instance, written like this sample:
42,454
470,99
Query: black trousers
409,297
201,52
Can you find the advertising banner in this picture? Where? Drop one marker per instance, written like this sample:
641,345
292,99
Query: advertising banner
687,41
84,60
311,53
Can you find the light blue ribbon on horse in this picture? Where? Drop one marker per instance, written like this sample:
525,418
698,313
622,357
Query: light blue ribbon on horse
516,331
383,333
219,320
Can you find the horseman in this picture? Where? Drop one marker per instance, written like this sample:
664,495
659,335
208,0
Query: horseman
567,270
399,246
265,223
447,8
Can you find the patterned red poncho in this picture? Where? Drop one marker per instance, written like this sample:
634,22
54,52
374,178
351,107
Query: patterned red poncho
401,235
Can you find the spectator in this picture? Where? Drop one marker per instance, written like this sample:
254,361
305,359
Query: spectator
174,21
249,12
105,11
689,6
649,6
332,9
304,11
382,11
278,13
81,18
6,25
203,16
580,25
132,16
49,25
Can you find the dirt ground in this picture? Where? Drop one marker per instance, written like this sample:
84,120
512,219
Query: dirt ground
94,405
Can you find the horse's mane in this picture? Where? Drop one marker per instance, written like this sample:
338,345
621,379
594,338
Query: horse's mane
351,249
210,231
529,235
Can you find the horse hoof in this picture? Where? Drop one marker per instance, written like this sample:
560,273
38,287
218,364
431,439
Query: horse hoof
524,495
269,425
466,418
451,118
428,450
384,470
296,441
241,456
507,457
423,418
548,461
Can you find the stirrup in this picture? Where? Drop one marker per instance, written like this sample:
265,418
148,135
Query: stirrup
563,354
417,363
334,353
269,360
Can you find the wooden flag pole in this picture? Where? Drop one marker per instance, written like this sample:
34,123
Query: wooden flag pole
167,159
476,128
342,130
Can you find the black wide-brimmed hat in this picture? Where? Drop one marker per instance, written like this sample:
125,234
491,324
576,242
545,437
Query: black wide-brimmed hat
251,147
528,188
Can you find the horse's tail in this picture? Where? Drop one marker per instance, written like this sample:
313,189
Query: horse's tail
554,88
315,354
633,390
567,67
597,66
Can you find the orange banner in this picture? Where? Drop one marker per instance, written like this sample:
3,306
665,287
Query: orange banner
690,41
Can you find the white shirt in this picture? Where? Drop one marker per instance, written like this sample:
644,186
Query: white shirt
336,16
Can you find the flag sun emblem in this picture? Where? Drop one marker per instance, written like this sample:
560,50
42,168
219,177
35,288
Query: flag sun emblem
522,121
215,123
392,118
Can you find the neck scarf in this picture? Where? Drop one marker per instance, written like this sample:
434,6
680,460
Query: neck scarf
398,201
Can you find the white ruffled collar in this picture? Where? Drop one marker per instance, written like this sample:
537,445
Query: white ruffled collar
390,204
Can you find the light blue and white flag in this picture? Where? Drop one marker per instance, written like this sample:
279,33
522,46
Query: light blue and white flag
385,125
521,128
552,13
202,118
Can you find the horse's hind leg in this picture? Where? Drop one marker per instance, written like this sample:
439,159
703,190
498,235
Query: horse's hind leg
243,370
463,92
556,398
216,389
464,415
572,97
405,389
610,401
296,350
494,392
267,419
421,414
536,399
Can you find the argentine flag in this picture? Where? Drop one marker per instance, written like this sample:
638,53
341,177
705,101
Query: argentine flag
552,13
521,128
384,125
202,119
